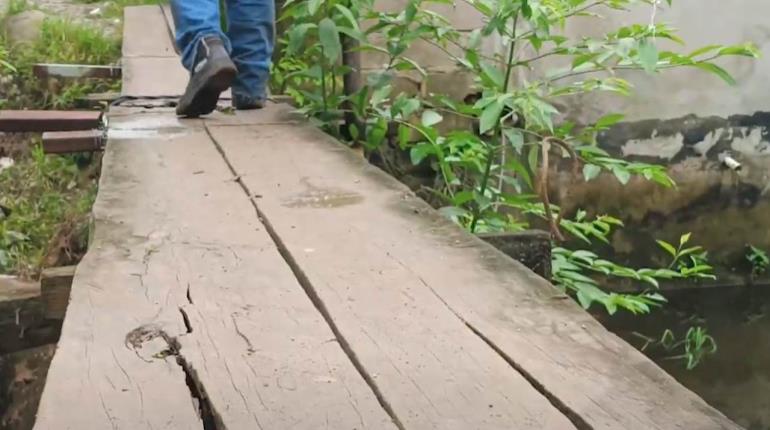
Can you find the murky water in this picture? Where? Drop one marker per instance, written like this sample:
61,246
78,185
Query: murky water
736,380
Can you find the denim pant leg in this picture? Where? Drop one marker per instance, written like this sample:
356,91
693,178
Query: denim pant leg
194,20
251,30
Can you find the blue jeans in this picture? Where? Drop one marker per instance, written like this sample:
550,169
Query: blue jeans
249,39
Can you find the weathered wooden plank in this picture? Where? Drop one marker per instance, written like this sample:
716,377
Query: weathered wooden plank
153,77
75,71
55,286
274,113
433,371
48,120
171,26
65,142
347,223
181,286
20,308
146,34
124,383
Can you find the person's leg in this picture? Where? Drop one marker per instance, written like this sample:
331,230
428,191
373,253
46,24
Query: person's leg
251,30
205,53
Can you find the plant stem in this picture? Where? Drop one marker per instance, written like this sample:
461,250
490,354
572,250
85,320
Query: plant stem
323,86
498,129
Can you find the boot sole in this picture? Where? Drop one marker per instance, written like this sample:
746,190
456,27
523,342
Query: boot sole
204,100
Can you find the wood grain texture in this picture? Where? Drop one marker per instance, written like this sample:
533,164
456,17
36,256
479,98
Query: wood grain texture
182,286
153,77
432,370
146,33
55,286
363,226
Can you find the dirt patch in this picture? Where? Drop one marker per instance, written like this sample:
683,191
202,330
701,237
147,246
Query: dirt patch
23,375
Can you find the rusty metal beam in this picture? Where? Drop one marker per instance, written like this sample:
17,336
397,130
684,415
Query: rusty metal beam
48,120
66,142
76,71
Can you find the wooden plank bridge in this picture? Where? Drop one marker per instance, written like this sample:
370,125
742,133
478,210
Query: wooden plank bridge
248,272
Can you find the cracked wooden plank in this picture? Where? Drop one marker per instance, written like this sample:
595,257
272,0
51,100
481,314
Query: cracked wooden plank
432,370
369,245
183,299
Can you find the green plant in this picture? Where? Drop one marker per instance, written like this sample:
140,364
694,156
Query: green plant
493,174
758,259
65,41
47,199
577,271
5,64
61,41
695,346
16,7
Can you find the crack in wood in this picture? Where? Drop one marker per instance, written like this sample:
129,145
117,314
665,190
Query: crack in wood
249,346
186,320
310,291
189,294
579,422
210,418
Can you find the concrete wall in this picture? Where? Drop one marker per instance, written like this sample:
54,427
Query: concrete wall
686,119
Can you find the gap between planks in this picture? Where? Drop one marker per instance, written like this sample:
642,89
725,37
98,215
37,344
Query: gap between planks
310,290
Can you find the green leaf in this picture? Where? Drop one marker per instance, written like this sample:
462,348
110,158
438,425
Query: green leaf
297,37
667,247
490,116
533,157
348,14
684,239
648,55
591,171
515,139
431,118
330,39
404,135
354,133
419,152
720,72
748,50
515,165
313,6
493,74
380,95
453,212
376,134
462,198
609,120
622,174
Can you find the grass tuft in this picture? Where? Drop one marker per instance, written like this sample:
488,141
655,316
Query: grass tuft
45,204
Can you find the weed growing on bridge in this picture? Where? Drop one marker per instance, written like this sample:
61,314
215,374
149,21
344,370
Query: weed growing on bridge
494,153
